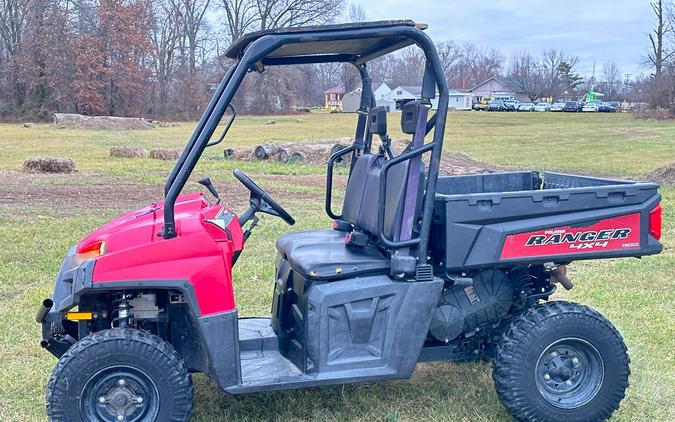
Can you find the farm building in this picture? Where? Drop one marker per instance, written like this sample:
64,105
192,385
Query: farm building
333,98
402,94
351,101
491,86
381,91
460,100
394,99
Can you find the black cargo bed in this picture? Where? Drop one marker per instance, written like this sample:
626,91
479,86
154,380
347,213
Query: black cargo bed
479,216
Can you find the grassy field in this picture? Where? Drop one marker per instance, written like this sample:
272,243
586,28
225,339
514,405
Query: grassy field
41,216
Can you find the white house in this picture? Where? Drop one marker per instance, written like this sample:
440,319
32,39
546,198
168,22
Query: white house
459,100
352,100
492,86
394,99
381,91
402,94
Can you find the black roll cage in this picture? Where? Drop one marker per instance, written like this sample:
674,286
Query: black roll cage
254,51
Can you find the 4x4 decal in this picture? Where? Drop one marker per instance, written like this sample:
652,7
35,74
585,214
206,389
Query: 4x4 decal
608,234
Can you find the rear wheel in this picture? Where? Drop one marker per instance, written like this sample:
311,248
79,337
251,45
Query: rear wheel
561,361
120,375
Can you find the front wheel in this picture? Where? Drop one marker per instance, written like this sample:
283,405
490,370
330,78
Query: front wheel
561,361
120,375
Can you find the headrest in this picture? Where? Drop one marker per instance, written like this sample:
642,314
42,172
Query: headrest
409,113
377,120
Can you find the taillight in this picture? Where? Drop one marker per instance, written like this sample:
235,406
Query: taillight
655,222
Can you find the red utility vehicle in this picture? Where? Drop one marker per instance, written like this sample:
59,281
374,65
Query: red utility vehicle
416,268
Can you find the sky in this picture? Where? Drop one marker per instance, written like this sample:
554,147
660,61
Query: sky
593,30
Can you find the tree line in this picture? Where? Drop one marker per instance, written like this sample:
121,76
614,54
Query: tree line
163,58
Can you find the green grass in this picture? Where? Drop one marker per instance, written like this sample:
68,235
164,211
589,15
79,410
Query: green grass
634,294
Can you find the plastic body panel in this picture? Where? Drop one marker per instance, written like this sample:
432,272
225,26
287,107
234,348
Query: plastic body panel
360,323
208,237
471,229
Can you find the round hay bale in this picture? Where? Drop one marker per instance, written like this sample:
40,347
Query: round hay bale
127,152
49,165
165,153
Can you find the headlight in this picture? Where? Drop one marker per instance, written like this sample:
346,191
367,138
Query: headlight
90,251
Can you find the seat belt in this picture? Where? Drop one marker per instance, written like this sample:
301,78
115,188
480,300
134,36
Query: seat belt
412,185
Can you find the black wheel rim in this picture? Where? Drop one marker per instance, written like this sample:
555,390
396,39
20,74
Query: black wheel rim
569,373
120,394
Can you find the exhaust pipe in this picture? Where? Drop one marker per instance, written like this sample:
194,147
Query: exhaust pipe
44,308
559,275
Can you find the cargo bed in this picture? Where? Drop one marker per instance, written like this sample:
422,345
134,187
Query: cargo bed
518,218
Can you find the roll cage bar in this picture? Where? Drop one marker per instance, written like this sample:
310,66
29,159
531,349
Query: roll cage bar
351,43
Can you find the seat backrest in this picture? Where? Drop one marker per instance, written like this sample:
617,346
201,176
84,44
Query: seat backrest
364,165
397,178
356,187
398,181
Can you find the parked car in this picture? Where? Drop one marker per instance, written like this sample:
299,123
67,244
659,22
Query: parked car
526,107
609,107
496,105
571,106
482,105
542,107
591,107
511,105
558,106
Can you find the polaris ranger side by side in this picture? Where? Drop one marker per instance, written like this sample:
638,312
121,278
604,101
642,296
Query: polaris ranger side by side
416,268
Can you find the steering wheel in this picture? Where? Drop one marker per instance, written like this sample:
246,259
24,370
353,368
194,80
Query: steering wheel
261,200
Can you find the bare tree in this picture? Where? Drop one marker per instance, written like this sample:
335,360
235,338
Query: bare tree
450,54
240,16
356,13
658,54
165,34
409,66
383,69
551,83
13,18
283,13
611,79
193,25
479,63
526,73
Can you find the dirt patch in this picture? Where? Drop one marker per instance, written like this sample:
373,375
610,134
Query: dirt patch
64,195
68,195
78,121
458,164
49,165
664,175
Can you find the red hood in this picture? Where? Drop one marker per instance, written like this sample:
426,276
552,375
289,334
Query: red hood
144,225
